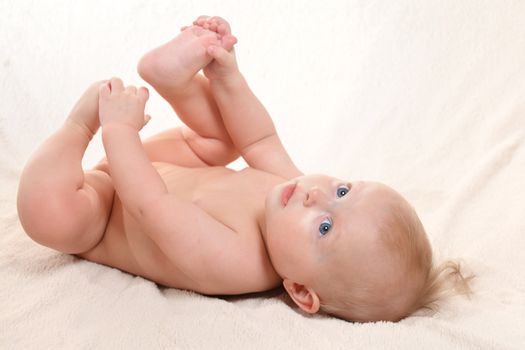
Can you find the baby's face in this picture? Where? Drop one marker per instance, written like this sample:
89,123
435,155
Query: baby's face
327,222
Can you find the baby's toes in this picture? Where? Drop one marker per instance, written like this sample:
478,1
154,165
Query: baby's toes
212,26
200,20
223,27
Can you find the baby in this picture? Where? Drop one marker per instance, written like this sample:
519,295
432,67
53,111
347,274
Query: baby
169,209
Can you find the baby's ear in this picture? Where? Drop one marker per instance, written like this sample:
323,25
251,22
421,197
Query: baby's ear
306,298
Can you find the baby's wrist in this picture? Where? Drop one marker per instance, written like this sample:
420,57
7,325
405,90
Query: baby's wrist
111,126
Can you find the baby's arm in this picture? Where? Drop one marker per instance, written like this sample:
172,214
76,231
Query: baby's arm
248,123
121,113
179,227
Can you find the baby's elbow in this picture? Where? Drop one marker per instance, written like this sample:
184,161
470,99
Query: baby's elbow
146,214
150,211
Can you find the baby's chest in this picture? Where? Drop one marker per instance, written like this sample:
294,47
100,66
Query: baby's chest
228,196
234,211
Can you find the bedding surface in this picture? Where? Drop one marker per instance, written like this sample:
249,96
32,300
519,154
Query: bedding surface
427,97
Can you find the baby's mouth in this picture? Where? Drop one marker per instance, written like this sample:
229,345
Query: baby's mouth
287,193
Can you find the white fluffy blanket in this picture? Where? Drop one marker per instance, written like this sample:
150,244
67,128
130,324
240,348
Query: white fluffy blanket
426,96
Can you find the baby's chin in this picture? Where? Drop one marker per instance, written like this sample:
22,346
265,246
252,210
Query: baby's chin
271,201
268,208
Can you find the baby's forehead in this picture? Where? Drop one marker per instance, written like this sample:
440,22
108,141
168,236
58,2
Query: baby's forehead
373,233
375,211
363,245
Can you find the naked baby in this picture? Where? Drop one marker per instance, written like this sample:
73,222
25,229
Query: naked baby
168,209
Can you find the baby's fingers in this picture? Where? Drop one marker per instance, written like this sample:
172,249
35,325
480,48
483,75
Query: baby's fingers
104,90
143,94
116,85
219,54
131,89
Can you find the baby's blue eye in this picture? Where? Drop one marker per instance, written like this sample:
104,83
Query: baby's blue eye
325,226
342,191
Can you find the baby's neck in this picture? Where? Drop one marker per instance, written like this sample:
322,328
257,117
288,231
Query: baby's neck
261,222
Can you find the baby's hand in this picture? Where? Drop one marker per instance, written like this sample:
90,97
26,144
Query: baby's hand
119,105
224,63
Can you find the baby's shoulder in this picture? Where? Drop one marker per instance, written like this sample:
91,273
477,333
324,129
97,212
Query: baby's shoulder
251,172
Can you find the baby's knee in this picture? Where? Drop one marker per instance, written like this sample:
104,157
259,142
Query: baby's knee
50,220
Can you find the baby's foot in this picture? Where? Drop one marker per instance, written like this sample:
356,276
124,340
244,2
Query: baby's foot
218,25
172,65
224,63
84,115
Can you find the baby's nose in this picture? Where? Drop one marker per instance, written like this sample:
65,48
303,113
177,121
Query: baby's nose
313,196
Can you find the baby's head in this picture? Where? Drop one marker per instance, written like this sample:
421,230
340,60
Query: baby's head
357,250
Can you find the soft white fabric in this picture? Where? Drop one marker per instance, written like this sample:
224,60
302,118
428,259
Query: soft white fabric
426,96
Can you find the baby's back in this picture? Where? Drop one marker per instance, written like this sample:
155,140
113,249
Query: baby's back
234,198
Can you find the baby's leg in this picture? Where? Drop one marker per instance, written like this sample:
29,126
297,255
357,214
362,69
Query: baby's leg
58,204
172,70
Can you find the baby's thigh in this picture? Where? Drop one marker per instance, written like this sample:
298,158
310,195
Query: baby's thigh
170,146
184,147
